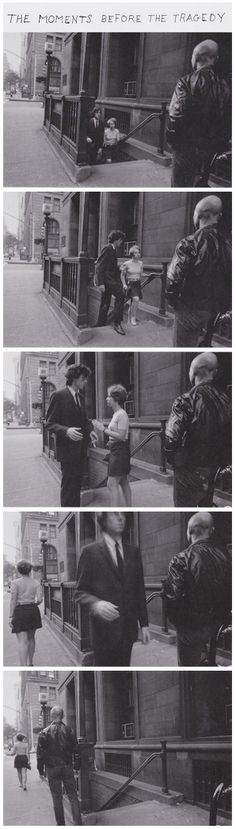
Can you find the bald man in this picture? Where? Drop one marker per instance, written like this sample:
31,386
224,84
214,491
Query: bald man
200,276
56,750
199,123
198,434
198,590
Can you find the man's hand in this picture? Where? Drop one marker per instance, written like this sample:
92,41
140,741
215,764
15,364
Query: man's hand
10,622
145,636
89,140
74,434
106,610
99,152
43,778
93,438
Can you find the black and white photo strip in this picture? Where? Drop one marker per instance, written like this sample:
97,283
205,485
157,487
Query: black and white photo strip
114,109
93,267
117,415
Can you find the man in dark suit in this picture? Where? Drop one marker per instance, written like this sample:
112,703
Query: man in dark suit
95,136
107,278
110,585
67,420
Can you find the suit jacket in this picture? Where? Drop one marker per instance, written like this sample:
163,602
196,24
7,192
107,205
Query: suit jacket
62,414
96,133
106,265
98,577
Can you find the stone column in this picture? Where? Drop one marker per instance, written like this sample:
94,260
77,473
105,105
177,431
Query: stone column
104,65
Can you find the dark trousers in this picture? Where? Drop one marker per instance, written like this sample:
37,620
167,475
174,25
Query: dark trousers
190,644
190,167
113,287
117,657
92,150
71,480
56,777
193,487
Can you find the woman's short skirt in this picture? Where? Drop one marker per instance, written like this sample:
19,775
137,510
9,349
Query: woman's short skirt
134,289
119,459
21,761
26,617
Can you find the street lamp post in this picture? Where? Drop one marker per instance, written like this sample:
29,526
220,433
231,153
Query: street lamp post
47,213
42,374
48,48
43,699
44,538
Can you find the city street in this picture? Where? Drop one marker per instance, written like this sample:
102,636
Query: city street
30,808
29,160
28,317
28,480
50,647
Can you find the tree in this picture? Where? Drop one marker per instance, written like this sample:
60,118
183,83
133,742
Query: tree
8,406
10,78
9,241
9,731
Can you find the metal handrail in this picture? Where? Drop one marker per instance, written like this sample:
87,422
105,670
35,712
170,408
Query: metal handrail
140,446
161,115
220,790
124,787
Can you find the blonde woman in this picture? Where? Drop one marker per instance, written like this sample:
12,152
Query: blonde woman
131,273
119,459
25,618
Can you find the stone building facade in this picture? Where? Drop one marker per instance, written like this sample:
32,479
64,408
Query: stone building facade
124,715
30,384
34,683
33,62
33,221
32,523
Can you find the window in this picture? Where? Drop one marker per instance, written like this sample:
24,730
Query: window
51,674
63,241
49,38
47,199
43,528
52,367
43,689
58,44
52,694
56,205
43,363
64,80
52,530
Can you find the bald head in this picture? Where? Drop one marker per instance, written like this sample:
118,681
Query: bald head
208,211
200,526
203,368
205,53
56,713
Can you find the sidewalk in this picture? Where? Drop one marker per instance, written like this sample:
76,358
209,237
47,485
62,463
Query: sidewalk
50,644
28,480
31,808
29,160
28,318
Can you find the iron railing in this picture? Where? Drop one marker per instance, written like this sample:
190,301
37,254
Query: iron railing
161,749
157,431
221,793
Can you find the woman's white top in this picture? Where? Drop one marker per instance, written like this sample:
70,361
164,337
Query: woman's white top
111,136
24,590
119,423
21,747
132,270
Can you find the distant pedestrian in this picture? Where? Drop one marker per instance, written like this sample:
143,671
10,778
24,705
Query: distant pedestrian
95,136
199,280
199,125
131,273
25,619
119,457
67,420
57,749
107,278
22,757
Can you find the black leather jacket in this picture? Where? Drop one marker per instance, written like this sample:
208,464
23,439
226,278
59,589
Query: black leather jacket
200,273
200,111
198,432
56,746
198,586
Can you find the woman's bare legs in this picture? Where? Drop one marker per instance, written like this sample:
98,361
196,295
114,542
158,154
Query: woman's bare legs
22,639
31,646
24,777
133,310
113,486
19,772
126,491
